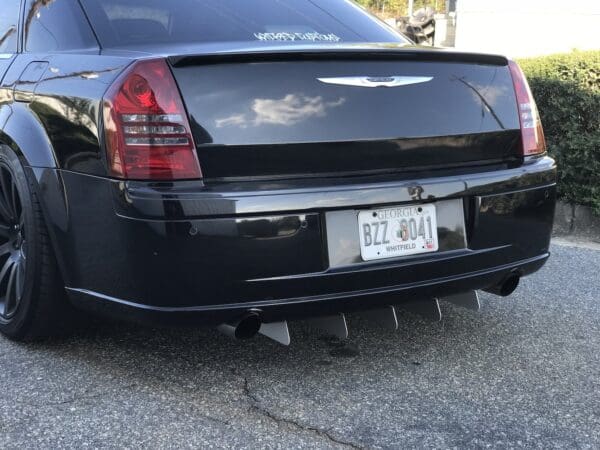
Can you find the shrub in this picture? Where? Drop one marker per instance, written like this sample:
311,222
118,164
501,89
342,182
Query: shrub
567,91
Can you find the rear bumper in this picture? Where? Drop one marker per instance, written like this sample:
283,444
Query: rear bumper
301,307
204,254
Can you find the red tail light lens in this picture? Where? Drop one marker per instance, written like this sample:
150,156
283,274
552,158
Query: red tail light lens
148,135
532,131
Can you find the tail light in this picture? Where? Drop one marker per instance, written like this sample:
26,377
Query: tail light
147,132
532,131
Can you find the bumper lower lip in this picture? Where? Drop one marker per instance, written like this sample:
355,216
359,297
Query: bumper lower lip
302,307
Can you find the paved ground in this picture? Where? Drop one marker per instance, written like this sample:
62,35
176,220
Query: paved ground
524,372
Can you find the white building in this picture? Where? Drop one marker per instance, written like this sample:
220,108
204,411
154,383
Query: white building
520,28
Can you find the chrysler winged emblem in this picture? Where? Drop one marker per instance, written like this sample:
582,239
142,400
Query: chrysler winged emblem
373,82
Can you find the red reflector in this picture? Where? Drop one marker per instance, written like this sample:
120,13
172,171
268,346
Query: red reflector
532,131
148,135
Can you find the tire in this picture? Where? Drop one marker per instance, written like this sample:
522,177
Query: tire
33,302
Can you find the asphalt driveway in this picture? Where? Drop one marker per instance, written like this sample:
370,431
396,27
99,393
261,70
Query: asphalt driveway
523,372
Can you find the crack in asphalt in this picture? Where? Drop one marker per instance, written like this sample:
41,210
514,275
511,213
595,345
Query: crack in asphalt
256,406
216,420
78,398
102,394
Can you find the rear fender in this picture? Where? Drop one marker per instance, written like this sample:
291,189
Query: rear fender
22,132
25,135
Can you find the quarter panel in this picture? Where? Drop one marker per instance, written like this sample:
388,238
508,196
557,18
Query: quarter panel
55,124
25,135
67,103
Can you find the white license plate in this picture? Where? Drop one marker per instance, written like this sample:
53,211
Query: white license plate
397,231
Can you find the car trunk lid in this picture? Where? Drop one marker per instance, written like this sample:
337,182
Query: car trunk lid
338,112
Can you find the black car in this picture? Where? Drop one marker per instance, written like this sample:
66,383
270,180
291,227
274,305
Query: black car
242,163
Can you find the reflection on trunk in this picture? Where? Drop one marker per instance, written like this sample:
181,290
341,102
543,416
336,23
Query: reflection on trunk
34,12
11,31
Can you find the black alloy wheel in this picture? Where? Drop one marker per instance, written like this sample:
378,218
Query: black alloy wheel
13,244
33,303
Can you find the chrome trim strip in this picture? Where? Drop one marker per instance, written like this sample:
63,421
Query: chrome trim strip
373,82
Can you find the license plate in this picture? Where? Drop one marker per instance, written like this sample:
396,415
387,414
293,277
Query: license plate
397,231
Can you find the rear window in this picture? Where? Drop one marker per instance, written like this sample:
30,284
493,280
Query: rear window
131,22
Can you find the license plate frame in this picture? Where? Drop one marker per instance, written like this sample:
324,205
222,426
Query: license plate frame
398,231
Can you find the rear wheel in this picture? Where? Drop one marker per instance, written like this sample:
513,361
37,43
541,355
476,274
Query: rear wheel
32,298
13,250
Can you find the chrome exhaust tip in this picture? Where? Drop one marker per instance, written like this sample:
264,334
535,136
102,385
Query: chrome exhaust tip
244,328
507,286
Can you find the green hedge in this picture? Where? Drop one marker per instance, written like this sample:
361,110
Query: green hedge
567,91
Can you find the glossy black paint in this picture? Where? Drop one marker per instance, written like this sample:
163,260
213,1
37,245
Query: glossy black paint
220,252
292,160
254,232
219,53
270,119
282,103
147,201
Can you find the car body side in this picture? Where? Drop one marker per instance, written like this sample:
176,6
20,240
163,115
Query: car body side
205,252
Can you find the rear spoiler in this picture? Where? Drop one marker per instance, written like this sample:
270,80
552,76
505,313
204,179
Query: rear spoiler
338,53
